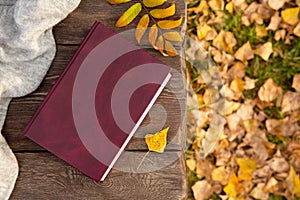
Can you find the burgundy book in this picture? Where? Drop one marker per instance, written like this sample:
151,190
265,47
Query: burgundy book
98,103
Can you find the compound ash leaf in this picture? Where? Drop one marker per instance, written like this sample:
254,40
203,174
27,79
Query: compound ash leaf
171,51
153,3
129,15
141,27
169,24
153,35
158,141
163,13
118,1
173,36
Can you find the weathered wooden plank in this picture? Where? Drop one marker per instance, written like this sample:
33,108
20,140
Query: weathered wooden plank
73,29
22,109
43,176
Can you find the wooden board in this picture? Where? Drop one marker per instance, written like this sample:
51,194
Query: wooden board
43,176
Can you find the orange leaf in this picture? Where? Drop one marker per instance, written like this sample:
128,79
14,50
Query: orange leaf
118,1
153,3
173,36
141,27
171,51
158,141
153,35
169,24
129,15
163,13
160,43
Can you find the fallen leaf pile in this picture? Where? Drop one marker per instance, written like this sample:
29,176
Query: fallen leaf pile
244,116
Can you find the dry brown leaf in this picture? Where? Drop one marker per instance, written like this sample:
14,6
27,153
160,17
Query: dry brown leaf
271,186
290,15
237,71
246,110
170,49
298,2
296,30
280,34
240,4
296,82
279,165
245,21
276,4
252,8
269,91
275,21
153,35
201,8
264,51
250,125
244,53
293,183
290,102
237,85
249,83
231,106
259,193
225,41
216,5
261,31
202,190
202,31
257,18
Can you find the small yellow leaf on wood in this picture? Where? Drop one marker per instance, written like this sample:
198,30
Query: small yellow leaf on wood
158,141
296,82
129,15
160,44
169,48
290,15
275,21
247,166
244,53
261,31
202,31
118,1
163,13
296,30
173,36
233,188
293,183
276,4
169,24
264,51
229,7
153,3
141,27
269,91
153,35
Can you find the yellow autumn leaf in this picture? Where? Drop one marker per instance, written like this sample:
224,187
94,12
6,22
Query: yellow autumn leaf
264,51
129,15
229,7
202,31
173,36
158,141
141,27
153,35
296,30
237,85
118,1
169,24
163,13
261,31
233,188
169,48
290,15
247,166
160,44
153,3
220,174
293,183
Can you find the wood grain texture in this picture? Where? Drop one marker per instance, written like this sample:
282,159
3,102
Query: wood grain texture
43,176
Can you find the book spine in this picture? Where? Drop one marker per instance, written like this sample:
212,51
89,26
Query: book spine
61,77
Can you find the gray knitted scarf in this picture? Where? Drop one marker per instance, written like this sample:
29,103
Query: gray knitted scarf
27,48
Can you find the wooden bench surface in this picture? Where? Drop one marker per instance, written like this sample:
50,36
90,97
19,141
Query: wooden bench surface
43,176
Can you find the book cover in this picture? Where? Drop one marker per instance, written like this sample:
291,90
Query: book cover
98,103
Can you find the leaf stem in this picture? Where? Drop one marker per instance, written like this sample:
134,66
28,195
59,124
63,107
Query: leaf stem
142,160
